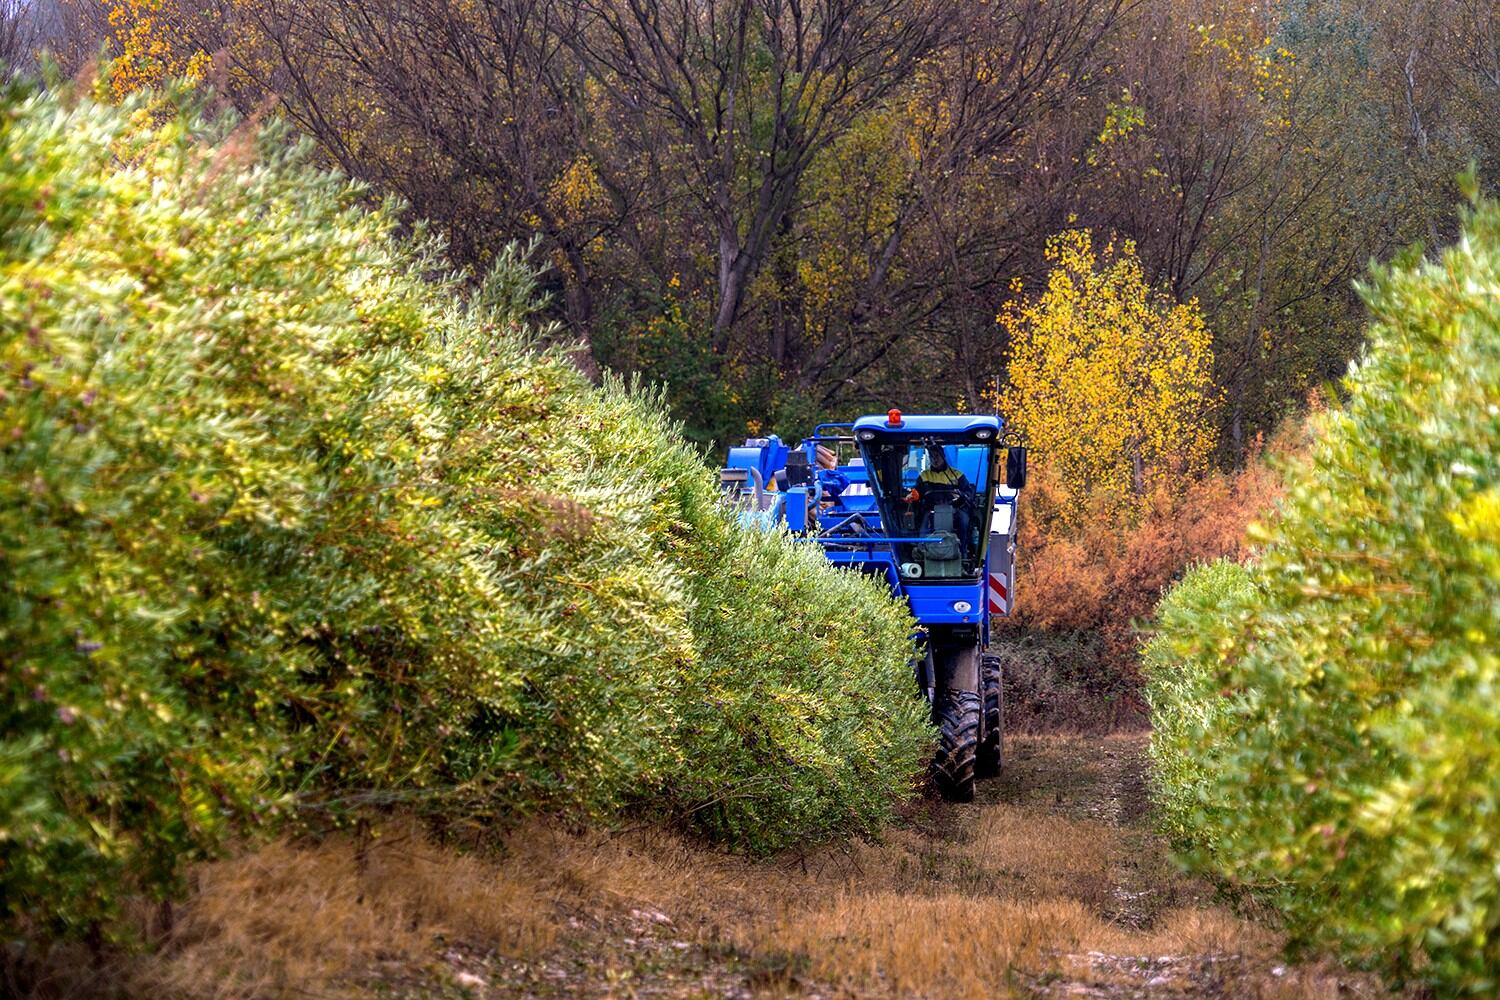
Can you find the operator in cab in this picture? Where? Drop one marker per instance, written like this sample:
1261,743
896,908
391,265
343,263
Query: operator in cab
942,483
940,478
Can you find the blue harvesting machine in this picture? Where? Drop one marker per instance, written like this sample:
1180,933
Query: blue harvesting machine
921,503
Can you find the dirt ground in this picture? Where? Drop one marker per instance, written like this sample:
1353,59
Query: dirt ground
1050,885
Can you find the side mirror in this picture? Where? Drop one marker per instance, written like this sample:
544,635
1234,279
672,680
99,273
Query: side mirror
1015,467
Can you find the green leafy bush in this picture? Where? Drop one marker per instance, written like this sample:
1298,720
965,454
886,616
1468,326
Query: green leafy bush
793,716
1352,765
1196,625
294,524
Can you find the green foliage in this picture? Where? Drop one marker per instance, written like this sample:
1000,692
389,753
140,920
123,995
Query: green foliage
718,402
1196,626
1350,766
293,524
672,349
796,711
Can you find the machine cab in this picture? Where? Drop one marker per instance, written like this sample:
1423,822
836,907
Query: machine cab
934,480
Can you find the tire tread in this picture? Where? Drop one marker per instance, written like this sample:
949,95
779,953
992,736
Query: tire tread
958,720
990,756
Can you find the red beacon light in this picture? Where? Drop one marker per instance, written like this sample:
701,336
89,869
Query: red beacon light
893,418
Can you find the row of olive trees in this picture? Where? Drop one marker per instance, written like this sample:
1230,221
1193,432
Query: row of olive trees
298,525
1324,714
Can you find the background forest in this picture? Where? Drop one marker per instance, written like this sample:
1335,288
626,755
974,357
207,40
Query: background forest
787,211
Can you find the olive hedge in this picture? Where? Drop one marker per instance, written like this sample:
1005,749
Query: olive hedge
1328,719
296,523
1196,625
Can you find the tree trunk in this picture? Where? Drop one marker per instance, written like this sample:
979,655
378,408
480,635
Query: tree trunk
731,282
786,328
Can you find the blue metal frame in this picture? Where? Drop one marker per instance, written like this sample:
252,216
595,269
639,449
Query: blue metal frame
823,506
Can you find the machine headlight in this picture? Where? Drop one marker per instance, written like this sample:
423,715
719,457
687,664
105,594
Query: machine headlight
984,434
867,435
962,607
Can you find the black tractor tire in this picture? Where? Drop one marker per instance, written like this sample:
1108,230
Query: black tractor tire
957,717
990,757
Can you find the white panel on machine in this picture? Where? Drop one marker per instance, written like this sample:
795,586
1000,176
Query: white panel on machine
1002,551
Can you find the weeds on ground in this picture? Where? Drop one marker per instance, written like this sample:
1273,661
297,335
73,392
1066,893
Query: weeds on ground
947,903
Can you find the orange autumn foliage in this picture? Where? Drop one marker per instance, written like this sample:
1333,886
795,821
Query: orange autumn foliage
1071,646
1101,576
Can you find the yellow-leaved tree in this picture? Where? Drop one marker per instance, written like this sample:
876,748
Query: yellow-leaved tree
149,46
1110,381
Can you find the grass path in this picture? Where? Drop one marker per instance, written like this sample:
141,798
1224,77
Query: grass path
1051,885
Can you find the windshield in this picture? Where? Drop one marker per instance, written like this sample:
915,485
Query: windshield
939,493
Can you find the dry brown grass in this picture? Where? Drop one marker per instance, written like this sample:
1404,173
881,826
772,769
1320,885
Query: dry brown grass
864,941
1009,898
1024,894
289,919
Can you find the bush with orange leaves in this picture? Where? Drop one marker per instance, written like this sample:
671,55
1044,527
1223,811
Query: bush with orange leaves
1082,590
1102,574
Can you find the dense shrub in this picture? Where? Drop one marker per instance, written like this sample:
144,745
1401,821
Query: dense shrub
793,723
1351,765
1195,628
293,524
793,717
1107,570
